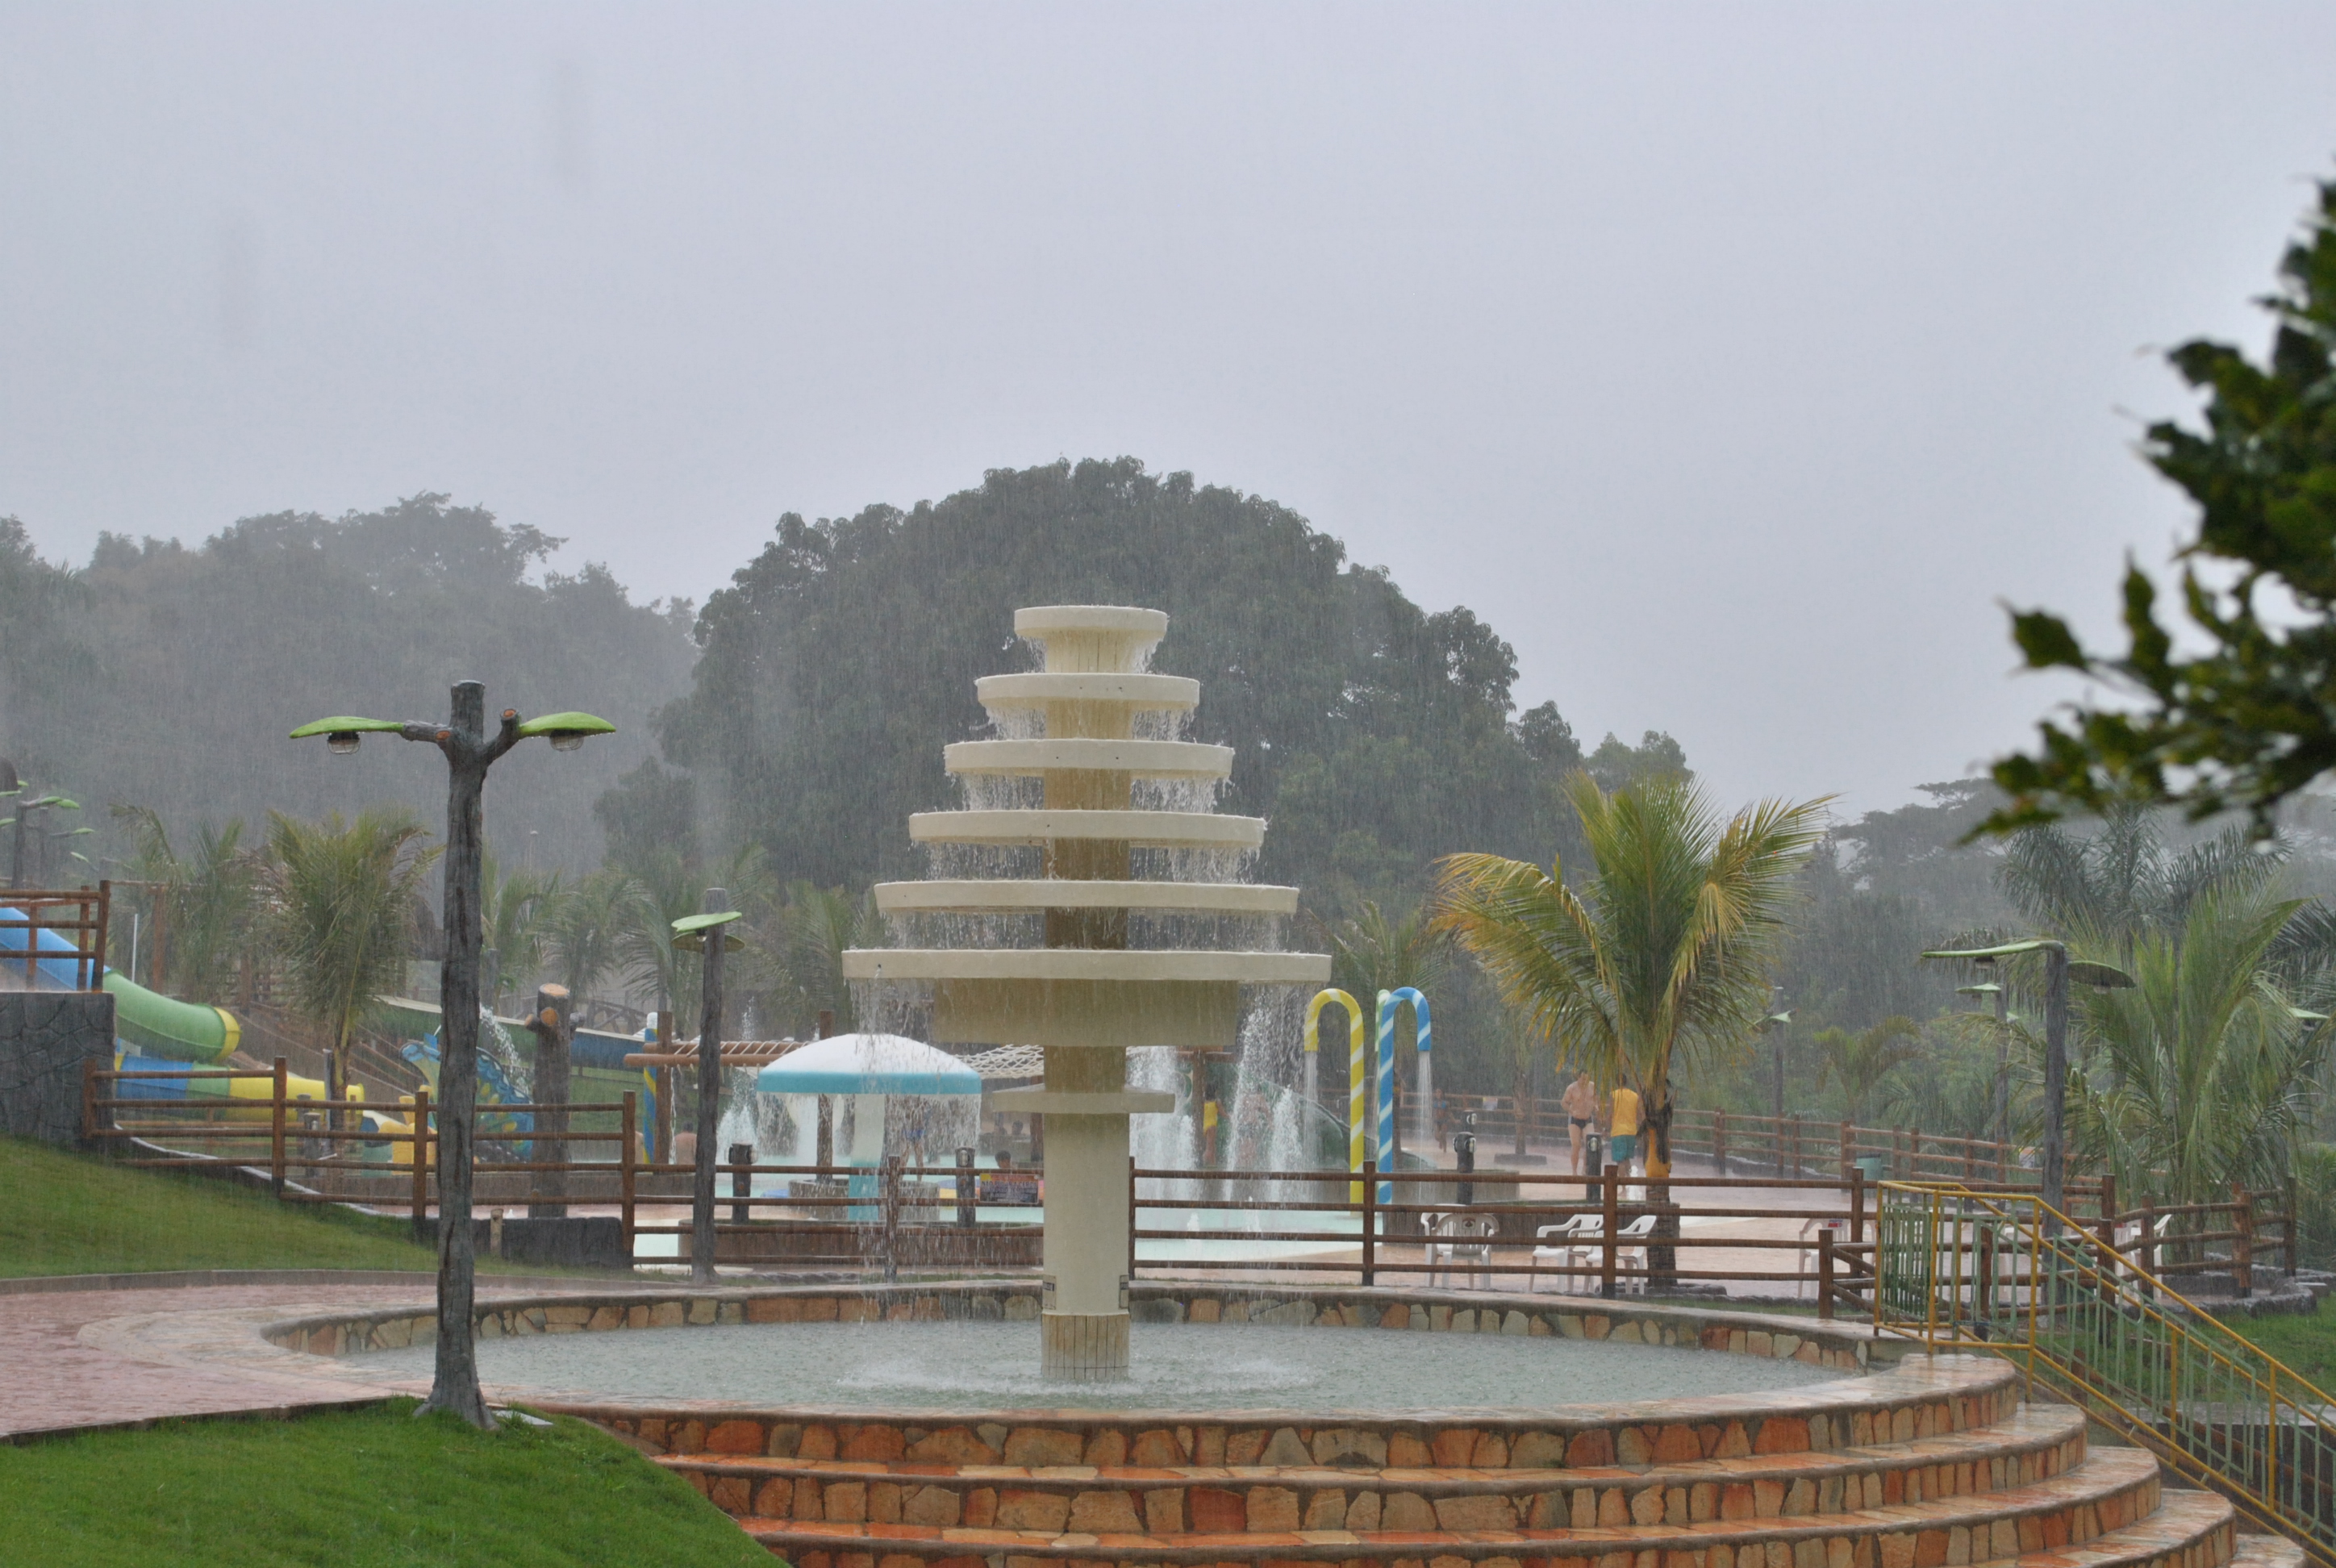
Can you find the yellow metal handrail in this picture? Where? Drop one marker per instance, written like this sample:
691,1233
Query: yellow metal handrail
2002,1272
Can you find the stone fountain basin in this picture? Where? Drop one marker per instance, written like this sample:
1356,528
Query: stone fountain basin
966,1351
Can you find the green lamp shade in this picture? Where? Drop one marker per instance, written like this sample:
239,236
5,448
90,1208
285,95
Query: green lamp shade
689,932
344,725
565,731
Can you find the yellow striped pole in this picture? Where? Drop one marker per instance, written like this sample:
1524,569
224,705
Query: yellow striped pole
1356,1061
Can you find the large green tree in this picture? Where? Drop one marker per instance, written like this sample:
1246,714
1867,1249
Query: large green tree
2249,717
1374,734
166,673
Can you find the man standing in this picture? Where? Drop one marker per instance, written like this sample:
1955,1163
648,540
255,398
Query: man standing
1624,1142
1581,1103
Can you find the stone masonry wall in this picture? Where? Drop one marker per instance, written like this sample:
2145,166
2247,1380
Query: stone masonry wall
44,1038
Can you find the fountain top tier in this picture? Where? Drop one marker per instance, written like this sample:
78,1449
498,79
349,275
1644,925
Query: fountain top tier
1084,987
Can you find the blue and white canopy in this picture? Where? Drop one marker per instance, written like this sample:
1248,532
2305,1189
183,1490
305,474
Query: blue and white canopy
868,1064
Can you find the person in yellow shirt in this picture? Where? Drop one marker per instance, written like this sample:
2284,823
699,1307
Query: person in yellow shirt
1622,1145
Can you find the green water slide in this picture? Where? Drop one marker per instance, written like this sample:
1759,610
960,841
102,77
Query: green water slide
155,1026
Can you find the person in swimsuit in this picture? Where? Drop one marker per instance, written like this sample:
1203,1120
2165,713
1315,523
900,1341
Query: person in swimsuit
1622,1147
1581,1103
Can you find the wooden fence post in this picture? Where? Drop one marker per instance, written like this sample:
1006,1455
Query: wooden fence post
276,1132
2288,1234
2242,1246
625,1174
1848,1142
421,1160
1856,1202
1611,1200
1370,1221
1824,1273
95,975
963,1210
1720,1142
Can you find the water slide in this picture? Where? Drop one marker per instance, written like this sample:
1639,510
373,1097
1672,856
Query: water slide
152,1023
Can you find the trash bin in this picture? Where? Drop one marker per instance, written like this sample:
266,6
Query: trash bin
1870,1165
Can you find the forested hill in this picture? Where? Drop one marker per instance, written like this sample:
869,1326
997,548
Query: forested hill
166,675
1374,734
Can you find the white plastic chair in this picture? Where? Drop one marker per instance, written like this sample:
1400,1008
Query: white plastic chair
1556,1243
1631,1241
1457,1239
1587,1246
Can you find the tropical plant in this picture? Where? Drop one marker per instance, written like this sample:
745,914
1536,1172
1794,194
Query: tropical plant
513,915
200,910
816,926
1950,1086
585,929
2201,1068
1863,1061
1662,955
344,895
2111,889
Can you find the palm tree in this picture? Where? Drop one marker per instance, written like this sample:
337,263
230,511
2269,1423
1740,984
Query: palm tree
665,887
344,896
513,914
2122,883
1664,953
816,926
1862,1062
585,929
2204,1068
202,908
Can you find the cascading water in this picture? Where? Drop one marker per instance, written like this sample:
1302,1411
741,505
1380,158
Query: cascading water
1138,945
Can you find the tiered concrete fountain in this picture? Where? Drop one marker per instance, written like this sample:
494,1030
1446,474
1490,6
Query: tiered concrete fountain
1086,995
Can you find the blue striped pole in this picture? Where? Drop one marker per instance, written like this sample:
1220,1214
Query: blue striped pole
1424,1041
1386,1095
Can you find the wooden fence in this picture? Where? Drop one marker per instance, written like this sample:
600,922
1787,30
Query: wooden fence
79,917
1731,1141
1809,1235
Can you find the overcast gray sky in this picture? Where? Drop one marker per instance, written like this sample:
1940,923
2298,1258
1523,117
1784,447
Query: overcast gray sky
1731,360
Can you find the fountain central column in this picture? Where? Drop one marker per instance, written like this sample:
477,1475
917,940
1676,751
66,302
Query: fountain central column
1082,1329
1085,995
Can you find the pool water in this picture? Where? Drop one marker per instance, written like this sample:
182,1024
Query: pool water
971,1364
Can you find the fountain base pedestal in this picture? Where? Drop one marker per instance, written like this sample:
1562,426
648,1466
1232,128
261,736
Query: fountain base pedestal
1083,1347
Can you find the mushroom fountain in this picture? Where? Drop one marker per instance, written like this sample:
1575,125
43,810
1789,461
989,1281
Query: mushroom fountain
1086,994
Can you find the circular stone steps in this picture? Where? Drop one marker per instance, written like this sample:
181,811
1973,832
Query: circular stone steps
2035,1443
1280,1516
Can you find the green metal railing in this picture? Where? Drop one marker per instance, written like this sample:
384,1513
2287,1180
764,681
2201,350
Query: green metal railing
2002,1272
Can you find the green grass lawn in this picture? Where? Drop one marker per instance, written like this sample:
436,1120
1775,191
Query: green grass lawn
353,1489
2306,1343
67,1213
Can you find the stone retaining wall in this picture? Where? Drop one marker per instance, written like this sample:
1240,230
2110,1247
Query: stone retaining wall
1845,1346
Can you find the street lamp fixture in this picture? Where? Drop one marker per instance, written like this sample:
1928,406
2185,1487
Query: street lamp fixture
2058,972
470,749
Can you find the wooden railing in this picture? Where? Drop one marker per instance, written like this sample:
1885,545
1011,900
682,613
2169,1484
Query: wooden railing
1773,1145
1807,1233
290,1137
80,917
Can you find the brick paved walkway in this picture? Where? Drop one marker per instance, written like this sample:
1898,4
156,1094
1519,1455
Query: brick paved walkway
65,1365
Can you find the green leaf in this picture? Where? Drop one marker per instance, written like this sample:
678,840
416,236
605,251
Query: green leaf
2046,641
